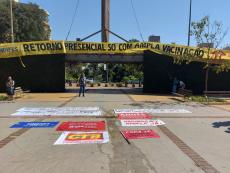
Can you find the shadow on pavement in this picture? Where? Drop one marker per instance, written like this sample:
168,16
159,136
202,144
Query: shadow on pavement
228,131
222,124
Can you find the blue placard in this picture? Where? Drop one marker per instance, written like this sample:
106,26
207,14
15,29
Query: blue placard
35,124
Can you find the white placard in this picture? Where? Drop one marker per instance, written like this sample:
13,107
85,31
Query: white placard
83,138
135,123
118,111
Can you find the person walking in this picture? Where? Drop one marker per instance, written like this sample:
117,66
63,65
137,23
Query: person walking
10,87
82,83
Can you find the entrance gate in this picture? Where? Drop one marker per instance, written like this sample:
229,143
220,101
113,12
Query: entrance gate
40,66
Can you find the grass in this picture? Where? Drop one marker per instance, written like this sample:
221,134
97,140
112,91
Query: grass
203,99
3,98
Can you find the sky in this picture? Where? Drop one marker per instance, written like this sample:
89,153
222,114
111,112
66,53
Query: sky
166,18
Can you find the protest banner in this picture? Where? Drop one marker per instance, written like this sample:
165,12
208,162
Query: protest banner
30,109
134,116
139,134
83,138
35,124
118,111
65,111
82,126
21,49
127,123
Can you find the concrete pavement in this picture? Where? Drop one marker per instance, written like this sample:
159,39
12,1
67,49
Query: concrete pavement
203,131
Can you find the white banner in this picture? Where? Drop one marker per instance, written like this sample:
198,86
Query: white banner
83,138
118,111
58,113
130,123
27,109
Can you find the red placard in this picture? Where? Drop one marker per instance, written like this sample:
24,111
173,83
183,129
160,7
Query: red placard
134,116
139,134
82,126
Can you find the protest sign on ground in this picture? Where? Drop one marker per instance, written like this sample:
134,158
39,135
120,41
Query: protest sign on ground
139,134
134,116
35,124
134,123
82,126
118,111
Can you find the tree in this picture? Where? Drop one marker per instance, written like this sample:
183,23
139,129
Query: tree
210,35
227,47
30,22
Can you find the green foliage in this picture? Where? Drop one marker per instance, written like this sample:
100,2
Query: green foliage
126,79
3,98
30,22
207,32
119,85
227,47
203,99
210,33
73,71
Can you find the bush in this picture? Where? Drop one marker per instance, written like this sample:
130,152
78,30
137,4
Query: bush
133,85
112,84
98,84
126,84
2,98
106,85
92,85
119,84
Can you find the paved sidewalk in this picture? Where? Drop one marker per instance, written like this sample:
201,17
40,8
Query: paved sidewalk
204,131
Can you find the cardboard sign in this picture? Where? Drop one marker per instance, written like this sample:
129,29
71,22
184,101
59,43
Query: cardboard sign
35,125
134,116
139,134
83,138
82,126
118,111
134,123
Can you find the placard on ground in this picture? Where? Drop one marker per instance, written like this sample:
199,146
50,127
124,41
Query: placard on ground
135,123
83,138
139,134
118,111
122,116
35,124
64,111
82,126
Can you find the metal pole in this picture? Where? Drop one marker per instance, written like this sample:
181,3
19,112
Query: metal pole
189,26
11,22
105,15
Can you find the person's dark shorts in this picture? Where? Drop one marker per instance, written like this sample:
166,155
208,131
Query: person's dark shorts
10,91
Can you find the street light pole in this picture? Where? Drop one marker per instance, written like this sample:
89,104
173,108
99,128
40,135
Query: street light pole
11,22
105,21
189,27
